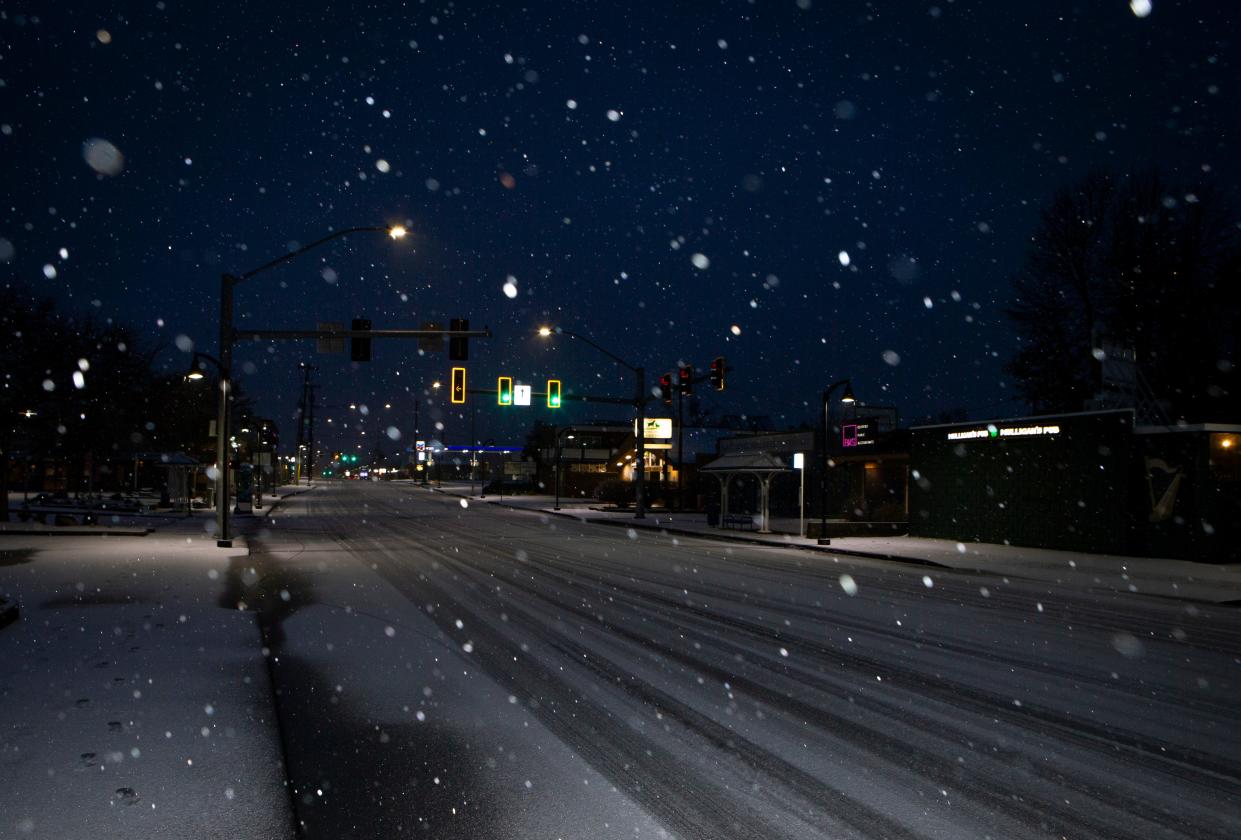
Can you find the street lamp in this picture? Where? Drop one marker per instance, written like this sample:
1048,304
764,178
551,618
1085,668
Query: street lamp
195,373
848,399
639,402
228,282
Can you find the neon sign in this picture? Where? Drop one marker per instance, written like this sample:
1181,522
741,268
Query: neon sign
993,431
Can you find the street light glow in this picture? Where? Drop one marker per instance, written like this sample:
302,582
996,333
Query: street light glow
194,375
397,232
545,331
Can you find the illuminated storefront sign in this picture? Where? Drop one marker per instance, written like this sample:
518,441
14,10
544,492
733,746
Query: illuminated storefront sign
993,431
656,427
856,434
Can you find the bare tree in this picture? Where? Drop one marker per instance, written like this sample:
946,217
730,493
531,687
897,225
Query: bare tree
1141,263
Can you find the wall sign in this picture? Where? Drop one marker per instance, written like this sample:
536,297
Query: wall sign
993,431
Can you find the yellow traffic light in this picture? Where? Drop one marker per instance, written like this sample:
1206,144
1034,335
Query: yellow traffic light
504,390
553,393
458,385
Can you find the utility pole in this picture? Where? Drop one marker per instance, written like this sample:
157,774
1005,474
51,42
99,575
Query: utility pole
310,435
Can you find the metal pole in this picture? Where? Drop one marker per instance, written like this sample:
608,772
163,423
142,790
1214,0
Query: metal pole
823,538
310,438
224,536
556,506
640,446
680,448
801,504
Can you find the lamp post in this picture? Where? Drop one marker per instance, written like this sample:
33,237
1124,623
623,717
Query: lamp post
228,282
848,399
559,448
639,402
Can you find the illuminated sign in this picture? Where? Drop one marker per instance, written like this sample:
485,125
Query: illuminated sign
458,386
993,431
856,434
420,445
521,395
659,428
799,460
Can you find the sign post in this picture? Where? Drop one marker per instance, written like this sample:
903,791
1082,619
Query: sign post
799,464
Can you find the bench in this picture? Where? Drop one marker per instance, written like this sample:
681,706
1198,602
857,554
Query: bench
740,521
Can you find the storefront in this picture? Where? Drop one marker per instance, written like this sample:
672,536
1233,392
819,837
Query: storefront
1082,482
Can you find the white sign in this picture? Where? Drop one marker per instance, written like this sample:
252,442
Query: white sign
799,460
521,395
656,427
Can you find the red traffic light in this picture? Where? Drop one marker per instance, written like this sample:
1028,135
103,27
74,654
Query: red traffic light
685,378
717,373
665,387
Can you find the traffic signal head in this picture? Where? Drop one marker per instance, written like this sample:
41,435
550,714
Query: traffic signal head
553,393
504,390
360,348
458,385
458,347
665,388
685,377
717,373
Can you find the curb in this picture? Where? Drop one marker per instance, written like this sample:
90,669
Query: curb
92,532
732,537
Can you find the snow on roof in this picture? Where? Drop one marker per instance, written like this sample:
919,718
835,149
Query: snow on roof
756,462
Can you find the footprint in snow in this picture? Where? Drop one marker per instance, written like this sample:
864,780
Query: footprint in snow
127,795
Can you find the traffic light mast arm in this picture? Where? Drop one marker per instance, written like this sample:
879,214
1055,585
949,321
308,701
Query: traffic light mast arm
242,333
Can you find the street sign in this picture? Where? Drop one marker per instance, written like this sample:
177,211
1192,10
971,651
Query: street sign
431,343
330,345
659,428
799,460
521,395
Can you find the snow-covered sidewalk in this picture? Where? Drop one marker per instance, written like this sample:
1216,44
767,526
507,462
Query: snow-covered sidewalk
132,702
1145,575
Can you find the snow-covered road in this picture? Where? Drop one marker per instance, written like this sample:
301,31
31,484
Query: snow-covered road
465,671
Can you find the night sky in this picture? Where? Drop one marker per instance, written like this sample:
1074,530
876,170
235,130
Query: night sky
676,180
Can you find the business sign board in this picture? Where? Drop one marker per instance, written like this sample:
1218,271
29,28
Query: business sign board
857,435
420,445
656,428
991,430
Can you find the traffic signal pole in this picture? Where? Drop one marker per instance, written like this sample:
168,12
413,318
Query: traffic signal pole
640,446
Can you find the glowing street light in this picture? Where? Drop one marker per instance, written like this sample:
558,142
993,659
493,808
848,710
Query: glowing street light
639,403
229,335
